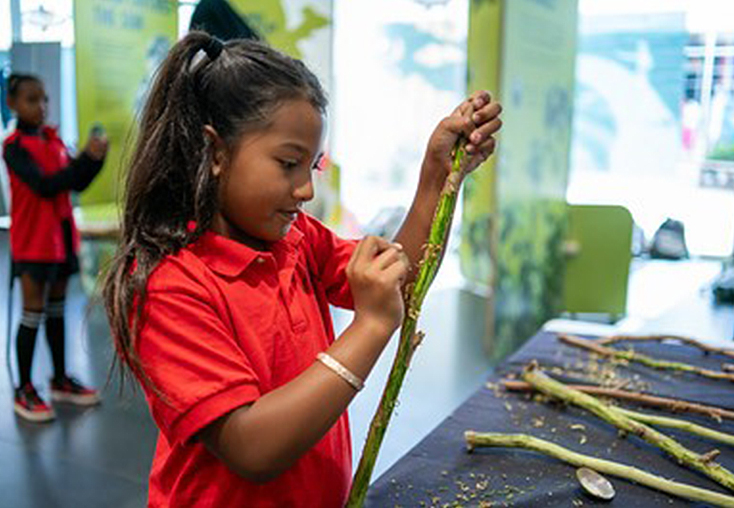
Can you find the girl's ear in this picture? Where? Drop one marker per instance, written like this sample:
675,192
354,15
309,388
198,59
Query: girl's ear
219,152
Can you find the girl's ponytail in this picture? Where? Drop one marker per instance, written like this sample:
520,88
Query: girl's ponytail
168,185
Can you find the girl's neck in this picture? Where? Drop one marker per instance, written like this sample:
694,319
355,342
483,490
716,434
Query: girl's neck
28,128
222,226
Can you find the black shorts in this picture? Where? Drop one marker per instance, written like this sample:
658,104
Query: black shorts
51,272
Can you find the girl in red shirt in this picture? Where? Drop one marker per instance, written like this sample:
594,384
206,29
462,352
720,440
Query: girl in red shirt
219,296
43,238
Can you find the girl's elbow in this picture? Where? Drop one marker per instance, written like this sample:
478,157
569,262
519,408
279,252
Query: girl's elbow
259,472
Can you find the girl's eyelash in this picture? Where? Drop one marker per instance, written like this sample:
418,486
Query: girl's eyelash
320,164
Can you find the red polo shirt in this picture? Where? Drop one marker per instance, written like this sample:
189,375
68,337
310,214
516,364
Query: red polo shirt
224,325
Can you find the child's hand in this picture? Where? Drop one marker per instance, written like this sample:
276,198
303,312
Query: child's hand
376,272
97,147
477,119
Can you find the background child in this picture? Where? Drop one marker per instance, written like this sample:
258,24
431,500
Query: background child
43,237
219,297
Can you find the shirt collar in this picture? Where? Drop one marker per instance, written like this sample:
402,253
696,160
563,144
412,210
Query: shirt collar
230,258
27,128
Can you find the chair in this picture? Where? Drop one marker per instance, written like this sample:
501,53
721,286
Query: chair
597,269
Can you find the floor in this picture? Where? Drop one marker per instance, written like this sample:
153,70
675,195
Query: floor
100,457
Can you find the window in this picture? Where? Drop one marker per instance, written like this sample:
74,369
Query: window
47,21
6,32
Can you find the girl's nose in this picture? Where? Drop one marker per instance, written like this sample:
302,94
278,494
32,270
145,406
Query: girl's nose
304,190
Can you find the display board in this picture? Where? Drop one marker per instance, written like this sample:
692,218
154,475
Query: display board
516,215
119,45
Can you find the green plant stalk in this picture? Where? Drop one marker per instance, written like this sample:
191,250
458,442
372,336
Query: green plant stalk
480,439
409,339
683,455
676,423
648,361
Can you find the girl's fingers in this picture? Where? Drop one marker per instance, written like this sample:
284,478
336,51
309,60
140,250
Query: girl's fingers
484,132
459,125
367,249
475,119
398,271
487,148
479,99
463,109
475,101
482,153
488,112
389,256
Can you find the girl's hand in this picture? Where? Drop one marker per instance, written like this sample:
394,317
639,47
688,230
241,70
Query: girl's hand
97,147
477,119
376,272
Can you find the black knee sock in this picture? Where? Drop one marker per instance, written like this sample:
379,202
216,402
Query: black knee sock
55,335
26,343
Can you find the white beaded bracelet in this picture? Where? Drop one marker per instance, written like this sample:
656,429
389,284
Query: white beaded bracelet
340,370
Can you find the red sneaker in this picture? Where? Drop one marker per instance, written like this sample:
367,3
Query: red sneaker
70,390
31,407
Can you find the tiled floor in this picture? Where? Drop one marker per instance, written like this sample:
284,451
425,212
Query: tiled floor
100,457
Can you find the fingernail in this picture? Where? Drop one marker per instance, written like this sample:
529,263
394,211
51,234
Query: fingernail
476,117
398,246
469,148
476,137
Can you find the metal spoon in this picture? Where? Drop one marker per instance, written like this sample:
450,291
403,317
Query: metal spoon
595,484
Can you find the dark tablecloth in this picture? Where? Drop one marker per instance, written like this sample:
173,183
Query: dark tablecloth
439,471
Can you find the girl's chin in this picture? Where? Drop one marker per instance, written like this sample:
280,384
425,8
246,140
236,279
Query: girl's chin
283,232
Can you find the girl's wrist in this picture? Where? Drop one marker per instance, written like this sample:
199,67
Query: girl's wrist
432,179
373,326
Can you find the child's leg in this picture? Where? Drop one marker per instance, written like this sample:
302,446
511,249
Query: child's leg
33,297
64,388
56,326
27,402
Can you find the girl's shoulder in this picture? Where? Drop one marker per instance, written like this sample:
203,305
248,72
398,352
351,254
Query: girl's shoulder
311,227
179,270
48,134
11,138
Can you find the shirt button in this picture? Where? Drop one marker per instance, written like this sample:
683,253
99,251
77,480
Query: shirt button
261,260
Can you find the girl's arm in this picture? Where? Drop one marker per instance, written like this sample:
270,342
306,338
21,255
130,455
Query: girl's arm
262,440
477,119
76,176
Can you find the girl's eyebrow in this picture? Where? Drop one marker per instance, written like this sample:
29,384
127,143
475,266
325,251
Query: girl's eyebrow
296,146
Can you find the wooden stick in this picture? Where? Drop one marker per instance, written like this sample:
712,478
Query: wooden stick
703,463
686,340
477,439
594,346
674,405
409,339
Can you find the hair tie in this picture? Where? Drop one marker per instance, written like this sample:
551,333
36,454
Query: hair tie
213,48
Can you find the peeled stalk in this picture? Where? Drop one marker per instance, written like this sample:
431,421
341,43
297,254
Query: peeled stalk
676,423
608,467
409,339
702,462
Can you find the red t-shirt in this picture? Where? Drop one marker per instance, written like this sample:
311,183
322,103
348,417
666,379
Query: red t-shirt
225,324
